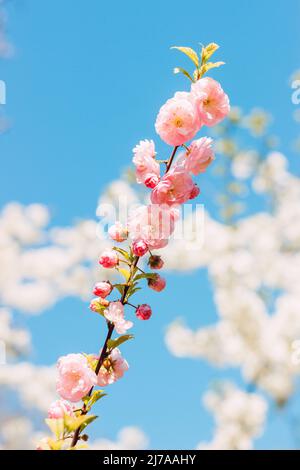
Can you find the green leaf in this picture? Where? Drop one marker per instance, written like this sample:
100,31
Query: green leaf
125,273
122,252
114,343
189,52
120,288
89,401
145,276
183,71
132,290
81,421
208,51
209,66
88,420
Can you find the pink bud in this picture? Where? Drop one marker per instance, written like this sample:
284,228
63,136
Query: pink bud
59,408
102,289
139,248
97,303
108,259
143,312
195,192
155,262
158,283
151,182
118,232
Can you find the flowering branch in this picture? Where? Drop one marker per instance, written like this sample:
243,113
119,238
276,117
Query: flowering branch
149,228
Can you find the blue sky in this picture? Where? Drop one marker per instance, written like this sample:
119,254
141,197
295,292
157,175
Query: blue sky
84,86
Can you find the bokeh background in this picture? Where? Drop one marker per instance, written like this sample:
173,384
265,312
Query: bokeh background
84,84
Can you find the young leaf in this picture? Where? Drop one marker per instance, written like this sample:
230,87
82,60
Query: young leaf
120,288
89,401
122,252
125,273
88,420
145,276
81,421
114,343
208,51
132,290
181,70
190,53
210,65
56,426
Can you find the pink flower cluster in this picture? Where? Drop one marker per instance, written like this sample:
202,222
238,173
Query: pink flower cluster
76,377
178,121
182,116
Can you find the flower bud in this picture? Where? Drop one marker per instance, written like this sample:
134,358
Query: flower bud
158,283
143,312
155,262
108,259
97,304
151,182
102,289
118,232
139,248
59,408
195,192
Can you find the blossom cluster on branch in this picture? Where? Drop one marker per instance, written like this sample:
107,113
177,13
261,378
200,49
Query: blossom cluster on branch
148,228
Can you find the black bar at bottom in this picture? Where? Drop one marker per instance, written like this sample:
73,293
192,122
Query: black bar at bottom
154,458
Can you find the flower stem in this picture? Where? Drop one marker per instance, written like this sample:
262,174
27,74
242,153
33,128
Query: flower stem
169,164
110,326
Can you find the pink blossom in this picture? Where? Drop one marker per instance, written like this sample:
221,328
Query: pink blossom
139,248
75,377
112,369
59,408
155,262
154,224
211,101
178,121
147,168
118,232
199,155
158,283
143,312
109,259
115,314
174,188
102,289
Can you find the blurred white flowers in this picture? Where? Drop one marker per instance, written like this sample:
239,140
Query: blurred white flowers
239,418
40,265
255,267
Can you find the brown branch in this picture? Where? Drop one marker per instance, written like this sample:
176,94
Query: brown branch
110,325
